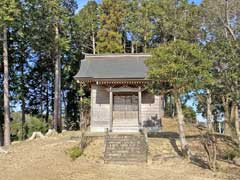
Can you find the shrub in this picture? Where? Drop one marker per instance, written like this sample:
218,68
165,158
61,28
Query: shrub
35,124
18,131
231,153
31,125
74,152
189,114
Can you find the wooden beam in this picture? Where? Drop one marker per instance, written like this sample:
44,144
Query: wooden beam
121,82
124,89
139,106
111,108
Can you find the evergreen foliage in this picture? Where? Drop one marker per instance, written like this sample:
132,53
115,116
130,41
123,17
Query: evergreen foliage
32,124
109,37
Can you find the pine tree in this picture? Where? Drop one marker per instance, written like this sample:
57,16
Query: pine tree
184,67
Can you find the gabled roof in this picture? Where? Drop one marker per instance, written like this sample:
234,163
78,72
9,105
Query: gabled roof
120,66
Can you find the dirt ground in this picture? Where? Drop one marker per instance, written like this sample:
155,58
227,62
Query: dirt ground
45,159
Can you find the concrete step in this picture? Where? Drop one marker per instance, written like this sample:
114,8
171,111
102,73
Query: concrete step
125,125
125,129
125,148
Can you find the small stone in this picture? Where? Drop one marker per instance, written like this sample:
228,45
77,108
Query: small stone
3,151
236,161
51,132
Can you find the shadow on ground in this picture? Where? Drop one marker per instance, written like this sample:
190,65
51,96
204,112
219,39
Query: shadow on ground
172,136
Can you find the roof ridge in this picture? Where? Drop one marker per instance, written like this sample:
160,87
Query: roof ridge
117,55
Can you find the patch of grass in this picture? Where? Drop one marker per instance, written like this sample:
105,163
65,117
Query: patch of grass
230,154
74,152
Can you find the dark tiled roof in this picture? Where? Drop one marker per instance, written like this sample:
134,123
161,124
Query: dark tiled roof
113,67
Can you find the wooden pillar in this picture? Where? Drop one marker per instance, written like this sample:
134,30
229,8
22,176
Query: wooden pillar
139,107
111,109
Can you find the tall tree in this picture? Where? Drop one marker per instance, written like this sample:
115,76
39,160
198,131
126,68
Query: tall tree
221,18
8,9
59,9
1,106
225,56
183,66
109,37
40,77
87,25
175,19
57,92
138,24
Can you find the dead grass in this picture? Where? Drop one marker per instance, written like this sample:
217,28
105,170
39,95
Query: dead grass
45,159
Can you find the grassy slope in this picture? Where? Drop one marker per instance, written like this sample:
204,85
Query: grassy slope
46,160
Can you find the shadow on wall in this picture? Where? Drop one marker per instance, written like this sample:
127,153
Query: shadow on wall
154,124
102,96
148,98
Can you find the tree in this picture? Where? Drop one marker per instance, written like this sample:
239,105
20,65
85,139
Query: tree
109,37
8,9
221,18
1,111
175,19
49,25
138,24
87,26
225,56
183,67
59,13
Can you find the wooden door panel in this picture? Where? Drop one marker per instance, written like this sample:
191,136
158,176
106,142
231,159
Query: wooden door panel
125,108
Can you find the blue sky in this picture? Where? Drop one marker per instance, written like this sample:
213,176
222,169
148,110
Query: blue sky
81,3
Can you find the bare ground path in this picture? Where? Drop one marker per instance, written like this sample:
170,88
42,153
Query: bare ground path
45,159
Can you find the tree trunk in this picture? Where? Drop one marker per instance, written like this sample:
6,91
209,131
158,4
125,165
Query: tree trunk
52,101
172,106
81,115
57,91
136,47
237,124
132,47
209,111
41,96
93,42
227,128
227,26
124,44
64,107
7,140
226,18
1,133
23,117
184,146
145,43
23,105
47,106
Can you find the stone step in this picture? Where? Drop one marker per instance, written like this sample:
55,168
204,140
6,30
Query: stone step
125,121
126,142
123,129
124,148
125,124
